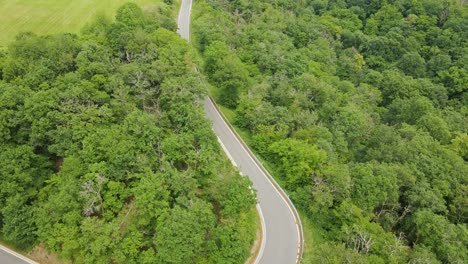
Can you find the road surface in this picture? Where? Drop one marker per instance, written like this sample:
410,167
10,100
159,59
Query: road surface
183,21
282,234
282,227
8,256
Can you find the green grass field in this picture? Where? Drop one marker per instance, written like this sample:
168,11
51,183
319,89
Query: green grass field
53,16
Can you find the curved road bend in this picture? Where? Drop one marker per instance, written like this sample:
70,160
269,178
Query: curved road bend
282,232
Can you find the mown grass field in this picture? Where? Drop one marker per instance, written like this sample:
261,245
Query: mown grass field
53,16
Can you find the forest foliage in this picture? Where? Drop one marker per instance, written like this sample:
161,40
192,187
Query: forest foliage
105,153
360,107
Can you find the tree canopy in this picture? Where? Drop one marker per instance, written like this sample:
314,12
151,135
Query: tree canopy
105,153
360,109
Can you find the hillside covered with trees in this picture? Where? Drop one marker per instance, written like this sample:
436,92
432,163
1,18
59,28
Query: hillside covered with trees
105,153
360,107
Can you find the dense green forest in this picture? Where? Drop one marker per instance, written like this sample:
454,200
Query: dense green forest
360,108
105,153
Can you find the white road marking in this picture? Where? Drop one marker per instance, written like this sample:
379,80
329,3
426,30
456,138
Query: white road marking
272,181
259,209
11,252
227,152
262,247
179,17
268,178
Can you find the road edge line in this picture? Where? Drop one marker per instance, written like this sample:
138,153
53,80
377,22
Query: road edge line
11,252
259,209
263,227
278,188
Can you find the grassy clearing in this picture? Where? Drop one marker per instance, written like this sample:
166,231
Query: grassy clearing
54,16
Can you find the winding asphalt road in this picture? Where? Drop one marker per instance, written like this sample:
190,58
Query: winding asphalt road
283,239
282,232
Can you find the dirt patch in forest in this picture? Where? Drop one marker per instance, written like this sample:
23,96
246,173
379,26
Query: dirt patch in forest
40,254
257,244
